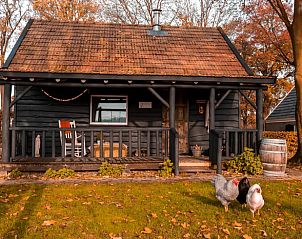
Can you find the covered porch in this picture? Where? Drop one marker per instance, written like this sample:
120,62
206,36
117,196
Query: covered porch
146,147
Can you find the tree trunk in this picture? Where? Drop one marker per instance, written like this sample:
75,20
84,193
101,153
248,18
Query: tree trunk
296,38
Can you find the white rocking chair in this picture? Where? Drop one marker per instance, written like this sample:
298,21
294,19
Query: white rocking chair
78,140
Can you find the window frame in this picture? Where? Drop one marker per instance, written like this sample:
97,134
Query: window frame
109,123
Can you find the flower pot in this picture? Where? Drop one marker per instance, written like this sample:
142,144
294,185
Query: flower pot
196,153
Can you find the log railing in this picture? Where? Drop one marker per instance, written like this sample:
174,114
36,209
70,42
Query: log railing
229,143
112,142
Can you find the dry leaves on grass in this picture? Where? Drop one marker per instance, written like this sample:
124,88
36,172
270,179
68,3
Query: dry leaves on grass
49,223
245,236
153,215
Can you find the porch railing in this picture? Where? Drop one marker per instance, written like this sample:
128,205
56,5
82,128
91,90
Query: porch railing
229,143
139,142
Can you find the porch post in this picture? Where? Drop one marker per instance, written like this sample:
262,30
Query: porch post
173,133
5,123
259,115
212,109
212,141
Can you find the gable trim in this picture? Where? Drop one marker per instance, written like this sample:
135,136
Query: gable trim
236,52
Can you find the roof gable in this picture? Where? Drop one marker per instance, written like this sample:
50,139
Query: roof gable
98,48
286,108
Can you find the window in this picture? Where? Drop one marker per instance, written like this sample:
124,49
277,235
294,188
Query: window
109,110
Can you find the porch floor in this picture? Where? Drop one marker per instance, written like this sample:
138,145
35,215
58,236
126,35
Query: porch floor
26,164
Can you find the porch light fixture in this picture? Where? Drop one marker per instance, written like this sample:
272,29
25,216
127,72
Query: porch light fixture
57,80
31,79
152,82
105,81
4,78
195,82
83,81
218,83
130,81
173,82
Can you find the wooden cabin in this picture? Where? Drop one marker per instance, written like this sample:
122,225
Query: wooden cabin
148,93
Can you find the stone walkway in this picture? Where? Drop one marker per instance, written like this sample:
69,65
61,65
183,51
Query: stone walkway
291,174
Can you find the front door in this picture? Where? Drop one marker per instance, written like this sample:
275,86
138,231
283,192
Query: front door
181,121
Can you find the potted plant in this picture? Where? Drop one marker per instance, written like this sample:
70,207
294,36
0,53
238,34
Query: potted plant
196,150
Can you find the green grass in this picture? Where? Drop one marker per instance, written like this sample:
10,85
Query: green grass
170,210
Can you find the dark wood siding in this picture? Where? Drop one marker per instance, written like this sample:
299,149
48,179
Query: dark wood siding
35,109
226,116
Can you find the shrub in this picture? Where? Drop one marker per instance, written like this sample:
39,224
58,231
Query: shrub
61,173
166,169
290,137
247,162
106,169
15,173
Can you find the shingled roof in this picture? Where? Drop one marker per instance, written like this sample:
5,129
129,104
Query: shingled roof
98,48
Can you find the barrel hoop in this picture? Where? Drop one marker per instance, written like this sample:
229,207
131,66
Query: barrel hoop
273,164
274,144
273,152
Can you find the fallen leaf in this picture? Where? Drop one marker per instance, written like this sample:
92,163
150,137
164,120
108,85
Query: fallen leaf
47,207
49,223
187,235
245,236
154,215
226,231
264,234
185,225
173,220
237,224
147,230
86,203
207,235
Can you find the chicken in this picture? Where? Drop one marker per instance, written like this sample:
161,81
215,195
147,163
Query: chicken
243,188
254,199
226,191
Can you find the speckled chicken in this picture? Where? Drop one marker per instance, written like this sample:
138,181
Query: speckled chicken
254,199
226,191
243,188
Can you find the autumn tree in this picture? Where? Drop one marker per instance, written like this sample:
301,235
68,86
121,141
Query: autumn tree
67,10
136,11
12,15
293,26
206,13
265,45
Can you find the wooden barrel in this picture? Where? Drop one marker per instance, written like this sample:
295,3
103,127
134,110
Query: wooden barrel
273,153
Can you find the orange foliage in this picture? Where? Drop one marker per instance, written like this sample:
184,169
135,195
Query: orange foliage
66,10
264,42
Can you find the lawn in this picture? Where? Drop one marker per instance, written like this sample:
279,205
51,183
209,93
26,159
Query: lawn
145,210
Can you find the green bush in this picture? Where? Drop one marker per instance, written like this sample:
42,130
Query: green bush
106,169
290,137
247,162
15,173
166,169
61,173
